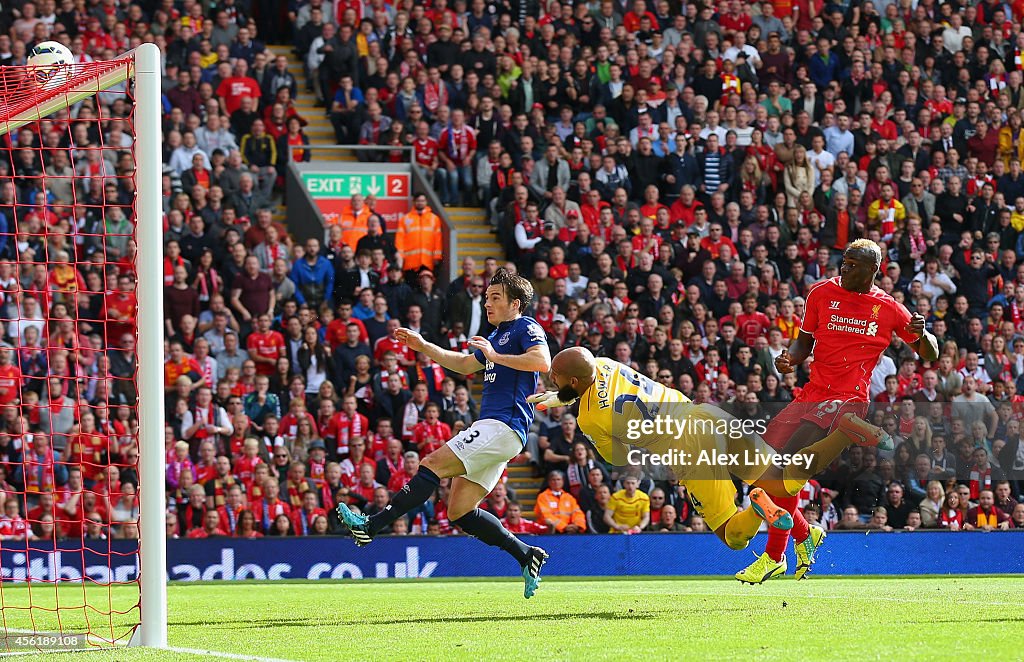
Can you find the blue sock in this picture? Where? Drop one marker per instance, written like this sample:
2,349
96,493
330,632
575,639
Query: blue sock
415,492
488,529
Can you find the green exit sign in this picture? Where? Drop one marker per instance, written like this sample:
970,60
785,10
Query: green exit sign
346,184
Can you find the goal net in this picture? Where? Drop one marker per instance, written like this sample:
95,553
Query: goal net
81,355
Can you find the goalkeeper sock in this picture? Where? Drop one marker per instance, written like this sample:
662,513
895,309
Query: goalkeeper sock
415,492
488,529
777,538
741,527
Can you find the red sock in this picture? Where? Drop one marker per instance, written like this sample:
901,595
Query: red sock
779,539
801,529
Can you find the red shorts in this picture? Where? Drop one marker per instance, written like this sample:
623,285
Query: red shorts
814,405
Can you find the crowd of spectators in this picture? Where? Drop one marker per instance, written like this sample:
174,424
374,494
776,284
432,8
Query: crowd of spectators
672,178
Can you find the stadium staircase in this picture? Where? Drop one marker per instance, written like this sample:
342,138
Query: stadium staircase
474,240
477,241
319,129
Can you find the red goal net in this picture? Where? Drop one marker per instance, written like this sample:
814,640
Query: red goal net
69,416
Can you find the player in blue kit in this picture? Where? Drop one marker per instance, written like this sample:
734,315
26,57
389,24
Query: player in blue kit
511,356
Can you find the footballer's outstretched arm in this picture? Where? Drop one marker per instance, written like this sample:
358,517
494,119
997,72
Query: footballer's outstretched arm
464,364
535,359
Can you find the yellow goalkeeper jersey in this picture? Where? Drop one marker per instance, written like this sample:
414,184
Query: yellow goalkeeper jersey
620,399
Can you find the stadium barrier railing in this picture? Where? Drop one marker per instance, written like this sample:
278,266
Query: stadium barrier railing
304,217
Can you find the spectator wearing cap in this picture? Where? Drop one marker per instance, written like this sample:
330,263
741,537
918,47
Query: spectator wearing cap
430,302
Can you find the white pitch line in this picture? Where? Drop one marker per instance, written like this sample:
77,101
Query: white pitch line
227,656
174,649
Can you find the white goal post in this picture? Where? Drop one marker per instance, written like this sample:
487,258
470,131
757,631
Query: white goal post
150,379
143,67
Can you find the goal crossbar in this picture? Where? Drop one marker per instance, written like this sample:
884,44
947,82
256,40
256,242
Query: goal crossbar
78,88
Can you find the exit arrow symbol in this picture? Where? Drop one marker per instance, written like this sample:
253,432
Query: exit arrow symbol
374,187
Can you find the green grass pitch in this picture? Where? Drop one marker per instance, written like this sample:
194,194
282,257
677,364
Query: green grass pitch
624,618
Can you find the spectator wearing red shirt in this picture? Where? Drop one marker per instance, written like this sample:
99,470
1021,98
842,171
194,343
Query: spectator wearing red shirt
366,484
715,240
456,147
265,346
515,523
230,513
908,380
430,433
882,125
985,516
346,425
88,448
10,378
245,466
303,517
410,465
179,365
12,525
268,508
122,308
631,21
211,527
357,457
735,20
751,323
425,148
234,87
391,343
711,367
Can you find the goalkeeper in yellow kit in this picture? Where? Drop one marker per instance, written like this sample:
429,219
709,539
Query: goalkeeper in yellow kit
704,445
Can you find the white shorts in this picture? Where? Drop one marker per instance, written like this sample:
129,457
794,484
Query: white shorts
485,449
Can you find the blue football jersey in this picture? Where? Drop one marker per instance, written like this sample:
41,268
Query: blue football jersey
505,389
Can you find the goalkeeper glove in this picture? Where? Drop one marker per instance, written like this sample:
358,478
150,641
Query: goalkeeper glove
548,399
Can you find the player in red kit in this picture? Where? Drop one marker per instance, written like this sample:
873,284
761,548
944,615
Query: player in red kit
848,323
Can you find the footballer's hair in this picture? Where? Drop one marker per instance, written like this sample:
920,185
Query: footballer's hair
867,246
516,287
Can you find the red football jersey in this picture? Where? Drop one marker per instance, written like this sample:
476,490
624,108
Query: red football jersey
426,151
266,345
850,331
387,344
10,381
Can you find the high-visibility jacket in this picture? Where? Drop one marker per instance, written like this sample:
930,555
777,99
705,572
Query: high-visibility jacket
561,508
353,226
419,239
